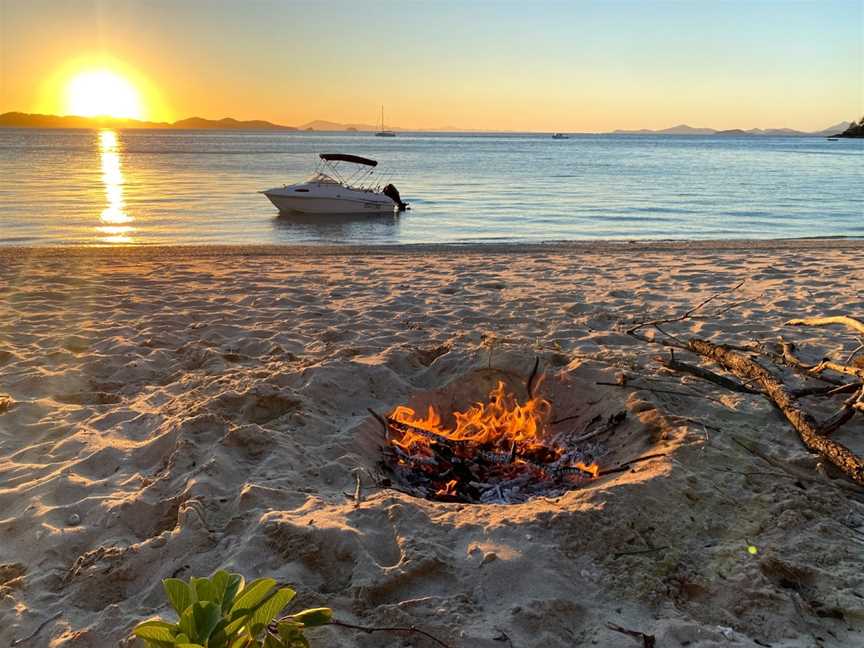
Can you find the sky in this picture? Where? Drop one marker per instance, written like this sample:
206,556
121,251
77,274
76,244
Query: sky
528,66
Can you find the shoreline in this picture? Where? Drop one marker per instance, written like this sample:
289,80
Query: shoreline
585,246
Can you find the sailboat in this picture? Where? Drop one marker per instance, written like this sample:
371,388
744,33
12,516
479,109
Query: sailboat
382,132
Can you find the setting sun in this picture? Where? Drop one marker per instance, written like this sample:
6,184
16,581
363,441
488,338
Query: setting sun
102,93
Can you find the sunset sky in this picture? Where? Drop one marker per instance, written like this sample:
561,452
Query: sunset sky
544,66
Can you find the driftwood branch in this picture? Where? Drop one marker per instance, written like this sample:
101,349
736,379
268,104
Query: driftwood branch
836,367
840,320
740,363
746,368
788,357
705,374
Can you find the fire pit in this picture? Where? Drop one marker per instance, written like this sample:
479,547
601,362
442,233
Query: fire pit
505,447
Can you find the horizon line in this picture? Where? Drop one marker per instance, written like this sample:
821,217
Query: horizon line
360,127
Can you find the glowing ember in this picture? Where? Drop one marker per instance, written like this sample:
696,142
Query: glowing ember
492,450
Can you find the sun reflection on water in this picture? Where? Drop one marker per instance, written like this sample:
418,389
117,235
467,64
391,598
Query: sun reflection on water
116,221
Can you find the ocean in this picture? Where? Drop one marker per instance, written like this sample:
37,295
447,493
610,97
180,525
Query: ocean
145,187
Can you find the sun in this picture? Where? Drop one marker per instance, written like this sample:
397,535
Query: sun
103,93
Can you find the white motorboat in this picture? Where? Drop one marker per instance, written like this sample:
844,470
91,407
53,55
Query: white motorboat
328,191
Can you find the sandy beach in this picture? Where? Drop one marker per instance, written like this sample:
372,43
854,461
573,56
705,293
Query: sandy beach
172,411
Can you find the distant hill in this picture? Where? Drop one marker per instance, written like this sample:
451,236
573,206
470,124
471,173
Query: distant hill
680,129
228,124
684,129
26,120
836,128
324,125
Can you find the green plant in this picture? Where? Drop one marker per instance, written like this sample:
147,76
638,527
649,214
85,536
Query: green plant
224,612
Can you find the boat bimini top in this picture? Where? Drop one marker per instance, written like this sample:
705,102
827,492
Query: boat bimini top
344,157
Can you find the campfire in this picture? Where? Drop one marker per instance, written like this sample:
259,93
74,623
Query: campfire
501,451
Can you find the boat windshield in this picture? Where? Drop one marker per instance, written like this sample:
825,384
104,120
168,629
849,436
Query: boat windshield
322,178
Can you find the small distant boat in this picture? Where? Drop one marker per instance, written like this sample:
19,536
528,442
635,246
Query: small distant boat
833,139
329,192
560,136
383,132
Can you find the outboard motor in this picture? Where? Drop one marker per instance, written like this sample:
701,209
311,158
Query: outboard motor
393,194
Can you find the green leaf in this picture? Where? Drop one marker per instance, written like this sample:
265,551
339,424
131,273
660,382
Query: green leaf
220,579
204,589
250,597
314,617
268,610
206,616
218,638
236,625
158,632
187,623
179,594
234,585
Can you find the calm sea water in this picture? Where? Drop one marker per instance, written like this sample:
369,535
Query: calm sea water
199,187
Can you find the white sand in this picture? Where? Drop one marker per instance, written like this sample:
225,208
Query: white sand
175,411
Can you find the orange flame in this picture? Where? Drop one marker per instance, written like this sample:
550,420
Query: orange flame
497,423
449,488
500,426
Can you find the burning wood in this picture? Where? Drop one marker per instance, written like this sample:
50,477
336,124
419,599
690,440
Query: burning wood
500,451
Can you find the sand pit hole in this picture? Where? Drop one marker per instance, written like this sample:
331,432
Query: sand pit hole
483,439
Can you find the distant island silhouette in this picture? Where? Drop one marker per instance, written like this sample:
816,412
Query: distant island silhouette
684,129
28,120
853,130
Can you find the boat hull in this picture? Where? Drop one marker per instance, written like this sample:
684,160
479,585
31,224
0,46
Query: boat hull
299,204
